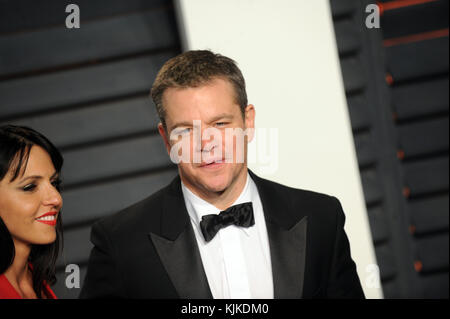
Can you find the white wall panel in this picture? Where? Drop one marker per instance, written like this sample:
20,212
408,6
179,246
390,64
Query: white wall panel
287,52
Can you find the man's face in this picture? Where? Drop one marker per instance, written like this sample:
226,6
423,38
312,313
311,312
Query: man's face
213,166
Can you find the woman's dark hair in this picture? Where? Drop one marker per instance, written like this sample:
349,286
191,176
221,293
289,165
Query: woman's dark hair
15,145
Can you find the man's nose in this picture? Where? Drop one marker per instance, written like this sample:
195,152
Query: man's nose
199,133
210,139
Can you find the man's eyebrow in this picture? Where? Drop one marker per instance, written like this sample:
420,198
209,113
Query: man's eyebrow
215,118
186,123
221,116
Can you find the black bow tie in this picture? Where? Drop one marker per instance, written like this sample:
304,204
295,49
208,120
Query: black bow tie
240,215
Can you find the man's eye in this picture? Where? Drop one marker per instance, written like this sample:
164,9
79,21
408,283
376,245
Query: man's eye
185,130
29,187
221,123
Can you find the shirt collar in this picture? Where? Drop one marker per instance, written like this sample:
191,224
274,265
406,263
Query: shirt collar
198,207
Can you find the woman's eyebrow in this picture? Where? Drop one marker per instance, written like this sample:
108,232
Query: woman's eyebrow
55,174
30,177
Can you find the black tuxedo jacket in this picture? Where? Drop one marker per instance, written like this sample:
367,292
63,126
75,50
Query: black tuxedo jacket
149,250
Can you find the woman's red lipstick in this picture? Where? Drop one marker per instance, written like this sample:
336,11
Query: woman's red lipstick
48,218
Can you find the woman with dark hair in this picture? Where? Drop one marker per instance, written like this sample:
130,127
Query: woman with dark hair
30,213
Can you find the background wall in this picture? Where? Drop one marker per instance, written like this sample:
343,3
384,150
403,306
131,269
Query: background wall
396,83
87,90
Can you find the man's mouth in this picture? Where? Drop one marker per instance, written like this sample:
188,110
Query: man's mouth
212,163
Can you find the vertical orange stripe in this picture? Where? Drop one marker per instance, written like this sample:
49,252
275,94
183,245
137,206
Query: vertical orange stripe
406,191
389,79
418,265
401,4
416,37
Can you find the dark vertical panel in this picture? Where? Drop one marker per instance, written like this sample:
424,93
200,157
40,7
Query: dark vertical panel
88,91
396,81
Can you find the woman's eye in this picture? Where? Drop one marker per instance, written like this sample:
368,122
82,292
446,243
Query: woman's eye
57,184
29,187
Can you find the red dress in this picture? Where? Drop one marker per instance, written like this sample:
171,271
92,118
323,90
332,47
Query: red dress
7,291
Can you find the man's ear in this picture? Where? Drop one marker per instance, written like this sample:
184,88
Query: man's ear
163,133
250,121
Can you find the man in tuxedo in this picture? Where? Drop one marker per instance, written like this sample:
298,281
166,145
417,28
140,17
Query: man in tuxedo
218,230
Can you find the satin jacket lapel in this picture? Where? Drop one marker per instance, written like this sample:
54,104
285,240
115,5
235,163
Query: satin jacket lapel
287,250
177,247
287,241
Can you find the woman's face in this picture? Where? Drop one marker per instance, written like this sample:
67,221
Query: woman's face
30,204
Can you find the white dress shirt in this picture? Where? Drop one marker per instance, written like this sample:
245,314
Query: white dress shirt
237,260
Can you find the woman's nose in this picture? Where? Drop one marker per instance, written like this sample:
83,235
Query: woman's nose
53,197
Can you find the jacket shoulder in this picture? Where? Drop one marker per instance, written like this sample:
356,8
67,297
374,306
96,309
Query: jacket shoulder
139,216
302,201
299,195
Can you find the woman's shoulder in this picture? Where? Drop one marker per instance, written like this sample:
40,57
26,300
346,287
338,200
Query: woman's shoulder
7,291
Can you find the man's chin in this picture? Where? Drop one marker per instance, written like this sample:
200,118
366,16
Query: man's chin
215,185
